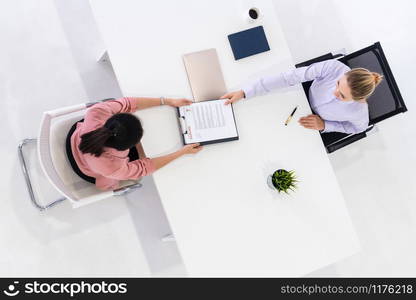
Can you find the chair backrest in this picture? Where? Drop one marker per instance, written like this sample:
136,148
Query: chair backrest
46,161
54,161
386,101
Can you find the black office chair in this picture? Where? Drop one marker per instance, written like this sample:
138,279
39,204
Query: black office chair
385,102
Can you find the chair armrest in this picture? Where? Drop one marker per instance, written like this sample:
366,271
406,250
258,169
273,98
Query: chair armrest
344,142
127,189
65,110
107,194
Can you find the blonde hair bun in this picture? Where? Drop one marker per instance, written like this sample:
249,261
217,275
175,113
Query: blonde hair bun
362,82
377,78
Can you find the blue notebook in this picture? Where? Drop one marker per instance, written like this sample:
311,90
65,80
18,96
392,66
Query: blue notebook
248,42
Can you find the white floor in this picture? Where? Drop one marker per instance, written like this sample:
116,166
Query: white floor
48,60
376,174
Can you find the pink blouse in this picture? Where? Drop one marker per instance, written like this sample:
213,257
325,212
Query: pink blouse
112,165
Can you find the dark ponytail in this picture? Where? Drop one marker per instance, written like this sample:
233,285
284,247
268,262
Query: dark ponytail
93,142
121,131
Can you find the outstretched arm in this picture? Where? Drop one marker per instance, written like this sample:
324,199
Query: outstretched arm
268,83
143,166
146,102
162,161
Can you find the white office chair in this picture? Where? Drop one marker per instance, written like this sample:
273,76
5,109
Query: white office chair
54,162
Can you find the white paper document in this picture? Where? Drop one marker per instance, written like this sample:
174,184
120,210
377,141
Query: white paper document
207,122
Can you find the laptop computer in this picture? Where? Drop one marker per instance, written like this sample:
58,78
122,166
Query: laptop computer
204,75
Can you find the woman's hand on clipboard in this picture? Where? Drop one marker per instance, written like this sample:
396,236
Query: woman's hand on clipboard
191,148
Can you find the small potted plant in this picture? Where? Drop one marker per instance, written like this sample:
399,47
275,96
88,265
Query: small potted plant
283,181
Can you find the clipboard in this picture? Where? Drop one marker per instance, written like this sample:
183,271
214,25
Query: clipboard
186,128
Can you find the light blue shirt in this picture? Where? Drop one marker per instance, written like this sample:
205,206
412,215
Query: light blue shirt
341,116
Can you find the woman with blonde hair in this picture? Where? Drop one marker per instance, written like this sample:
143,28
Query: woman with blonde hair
337,95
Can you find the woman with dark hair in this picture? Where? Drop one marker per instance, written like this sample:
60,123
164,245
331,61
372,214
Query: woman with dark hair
104,148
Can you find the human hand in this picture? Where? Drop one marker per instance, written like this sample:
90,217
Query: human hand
178,102
191,149
312,122
233,96
140,150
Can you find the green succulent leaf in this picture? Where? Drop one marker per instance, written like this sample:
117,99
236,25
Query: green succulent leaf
284,181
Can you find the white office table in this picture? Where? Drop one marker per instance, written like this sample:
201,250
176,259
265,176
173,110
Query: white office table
226,220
